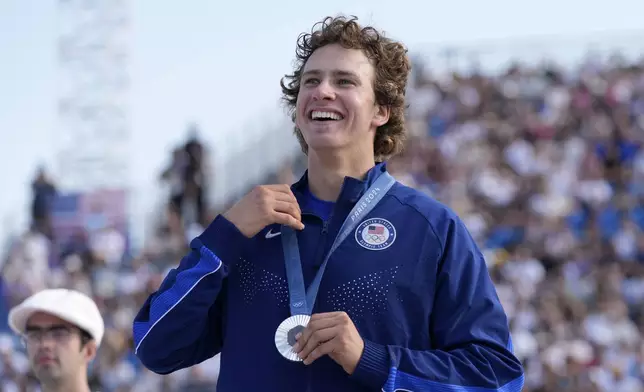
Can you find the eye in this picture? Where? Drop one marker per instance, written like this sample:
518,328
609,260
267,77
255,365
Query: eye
311,81
32,335
60,333
345,82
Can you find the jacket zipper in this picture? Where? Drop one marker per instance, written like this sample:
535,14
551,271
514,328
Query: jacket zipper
322,247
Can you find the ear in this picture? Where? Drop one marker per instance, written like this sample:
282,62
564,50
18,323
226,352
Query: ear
381,117
90,351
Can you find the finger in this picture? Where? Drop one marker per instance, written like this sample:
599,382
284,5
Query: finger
282,195
269,193
319,316
323,349
279,187
319,323
305,335
282,191
304,347
288,208
285,196
287,220
290,193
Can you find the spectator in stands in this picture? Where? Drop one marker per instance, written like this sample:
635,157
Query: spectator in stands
186,178
61,330
194,179
43,193
174,176
542,162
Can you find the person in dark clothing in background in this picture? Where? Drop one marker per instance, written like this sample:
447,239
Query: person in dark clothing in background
186,179
194,179
44,192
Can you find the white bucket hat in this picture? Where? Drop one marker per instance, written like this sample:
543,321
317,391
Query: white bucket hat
69,305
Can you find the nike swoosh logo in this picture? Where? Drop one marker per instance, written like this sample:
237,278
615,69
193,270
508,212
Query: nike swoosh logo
270,234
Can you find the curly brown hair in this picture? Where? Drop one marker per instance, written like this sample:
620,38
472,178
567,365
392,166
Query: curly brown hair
391,64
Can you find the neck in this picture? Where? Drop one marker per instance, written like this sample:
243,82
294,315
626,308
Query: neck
327,170
76,384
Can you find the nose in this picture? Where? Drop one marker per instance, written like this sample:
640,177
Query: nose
43,346
324,91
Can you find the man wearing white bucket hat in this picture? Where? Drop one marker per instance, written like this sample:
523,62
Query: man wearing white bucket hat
61,330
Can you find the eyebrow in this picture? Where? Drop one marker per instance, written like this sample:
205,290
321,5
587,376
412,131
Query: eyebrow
337,72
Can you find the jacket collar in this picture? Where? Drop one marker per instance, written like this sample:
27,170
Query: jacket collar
351,191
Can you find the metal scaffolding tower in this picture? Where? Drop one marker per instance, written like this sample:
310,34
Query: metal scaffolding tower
93,133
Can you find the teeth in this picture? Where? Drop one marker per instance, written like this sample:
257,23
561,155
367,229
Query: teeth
329,115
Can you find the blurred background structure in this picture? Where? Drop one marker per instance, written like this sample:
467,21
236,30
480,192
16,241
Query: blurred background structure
93,56
535,143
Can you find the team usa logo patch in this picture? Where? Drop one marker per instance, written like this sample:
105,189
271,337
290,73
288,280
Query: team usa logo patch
376,234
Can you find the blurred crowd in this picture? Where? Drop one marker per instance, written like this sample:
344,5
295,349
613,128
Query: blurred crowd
97,261
545,167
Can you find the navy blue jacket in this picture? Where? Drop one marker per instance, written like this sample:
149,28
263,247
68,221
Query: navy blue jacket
411,278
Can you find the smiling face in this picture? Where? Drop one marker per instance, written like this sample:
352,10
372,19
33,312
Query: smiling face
336,106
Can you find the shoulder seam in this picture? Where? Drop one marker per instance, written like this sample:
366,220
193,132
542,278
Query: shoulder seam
429,223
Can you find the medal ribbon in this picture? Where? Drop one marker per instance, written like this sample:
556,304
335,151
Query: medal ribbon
301,300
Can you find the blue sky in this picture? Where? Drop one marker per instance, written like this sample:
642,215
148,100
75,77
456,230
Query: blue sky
219,63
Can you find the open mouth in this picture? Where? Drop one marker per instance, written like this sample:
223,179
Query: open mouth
317,115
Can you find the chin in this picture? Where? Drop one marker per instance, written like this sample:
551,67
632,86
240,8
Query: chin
324,140
324,146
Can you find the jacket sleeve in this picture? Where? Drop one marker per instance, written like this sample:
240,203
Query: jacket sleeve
471,344
182,323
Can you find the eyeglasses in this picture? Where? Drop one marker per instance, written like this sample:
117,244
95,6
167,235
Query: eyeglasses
57,333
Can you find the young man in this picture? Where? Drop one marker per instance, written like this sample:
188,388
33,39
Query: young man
62,330
405,302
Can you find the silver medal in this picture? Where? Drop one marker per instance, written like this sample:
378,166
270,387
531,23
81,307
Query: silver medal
285,335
